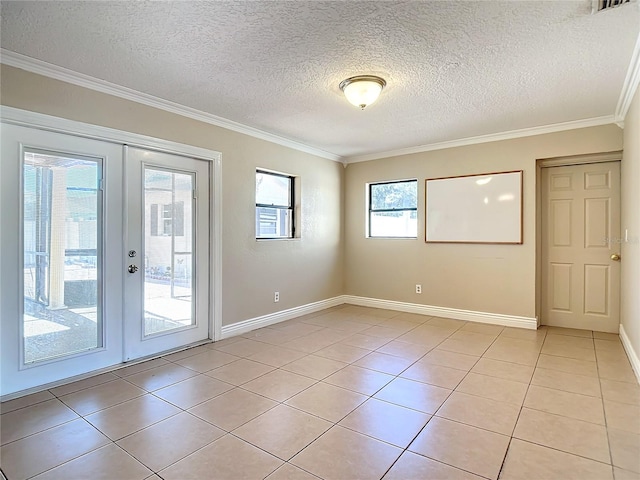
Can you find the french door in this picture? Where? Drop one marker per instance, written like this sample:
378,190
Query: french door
167,258
75,298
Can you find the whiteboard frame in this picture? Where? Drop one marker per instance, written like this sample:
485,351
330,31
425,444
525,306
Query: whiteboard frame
469,239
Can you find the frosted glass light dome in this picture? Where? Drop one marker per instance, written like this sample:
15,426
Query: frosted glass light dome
362,90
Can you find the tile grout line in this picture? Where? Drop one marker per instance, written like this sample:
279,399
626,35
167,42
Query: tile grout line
454,390
511,437
282,403
405,449
335,424
563,416
604,412
147,392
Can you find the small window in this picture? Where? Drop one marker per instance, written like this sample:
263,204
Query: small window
162,219
393,209
274,205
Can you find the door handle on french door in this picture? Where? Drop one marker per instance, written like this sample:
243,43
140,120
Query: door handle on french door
132,269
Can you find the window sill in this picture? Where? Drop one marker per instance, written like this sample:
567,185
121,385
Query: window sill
278,239
391,238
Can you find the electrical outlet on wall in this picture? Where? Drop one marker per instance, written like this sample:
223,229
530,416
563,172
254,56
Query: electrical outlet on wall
276,297
418,288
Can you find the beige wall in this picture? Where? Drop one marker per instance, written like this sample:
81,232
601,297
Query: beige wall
303,270
630,301
486,278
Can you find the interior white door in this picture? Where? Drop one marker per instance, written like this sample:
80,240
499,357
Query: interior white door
167,259
60,296
581,246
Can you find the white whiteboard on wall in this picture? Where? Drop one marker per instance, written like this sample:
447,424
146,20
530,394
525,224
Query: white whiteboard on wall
484,208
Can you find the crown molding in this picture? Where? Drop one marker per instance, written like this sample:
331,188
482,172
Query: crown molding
39,67
630,85
492,137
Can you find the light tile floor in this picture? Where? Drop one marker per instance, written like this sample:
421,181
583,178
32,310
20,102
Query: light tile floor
346,393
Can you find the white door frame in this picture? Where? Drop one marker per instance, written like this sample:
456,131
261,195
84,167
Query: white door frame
14,116
541,163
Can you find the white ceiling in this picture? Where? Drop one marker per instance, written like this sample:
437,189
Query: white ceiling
453,69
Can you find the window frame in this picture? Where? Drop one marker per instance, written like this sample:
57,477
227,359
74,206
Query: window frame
371,210
158,219
291,207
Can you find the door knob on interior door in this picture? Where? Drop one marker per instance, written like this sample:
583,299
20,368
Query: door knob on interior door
615,257
132,269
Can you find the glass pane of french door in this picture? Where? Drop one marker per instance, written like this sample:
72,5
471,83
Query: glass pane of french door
62,252
168,247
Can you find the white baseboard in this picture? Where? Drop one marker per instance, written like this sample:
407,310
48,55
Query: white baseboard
455,313
245,326
631,353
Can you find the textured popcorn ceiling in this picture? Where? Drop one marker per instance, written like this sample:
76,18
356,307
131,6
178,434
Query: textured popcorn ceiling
453,69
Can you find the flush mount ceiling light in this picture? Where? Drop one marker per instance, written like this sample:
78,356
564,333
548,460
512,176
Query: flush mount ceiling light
362,90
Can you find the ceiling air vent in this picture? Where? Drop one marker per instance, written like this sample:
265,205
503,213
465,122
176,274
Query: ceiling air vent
600,5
